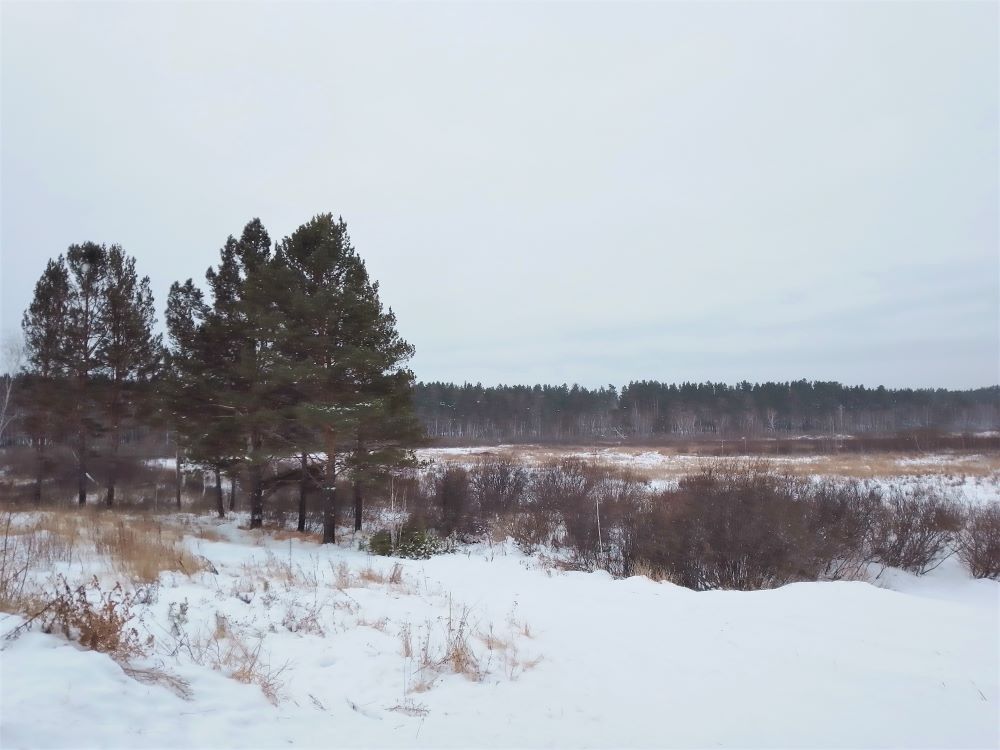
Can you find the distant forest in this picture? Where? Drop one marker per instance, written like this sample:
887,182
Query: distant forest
654,410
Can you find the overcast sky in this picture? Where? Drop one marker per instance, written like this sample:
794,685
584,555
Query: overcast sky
557,192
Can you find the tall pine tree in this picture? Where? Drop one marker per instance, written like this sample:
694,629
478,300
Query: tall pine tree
129,351
45,325
85,340
343,357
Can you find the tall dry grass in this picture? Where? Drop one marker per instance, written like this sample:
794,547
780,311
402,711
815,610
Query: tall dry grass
143,548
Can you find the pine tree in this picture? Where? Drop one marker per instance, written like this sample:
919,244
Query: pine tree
204,428
129,350
343,358
85,339
184,388
45,324
245,323
223,363
385,436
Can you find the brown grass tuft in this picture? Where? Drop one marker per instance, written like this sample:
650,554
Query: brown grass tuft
142,548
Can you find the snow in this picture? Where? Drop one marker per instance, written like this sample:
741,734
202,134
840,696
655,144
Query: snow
957,475
587,661
161,463
934,459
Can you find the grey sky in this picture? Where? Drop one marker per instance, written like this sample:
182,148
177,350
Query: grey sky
550,192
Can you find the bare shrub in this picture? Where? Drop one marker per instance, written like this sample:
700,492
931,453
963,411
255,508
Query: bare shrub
562,496
735,525
498,485
97,619
453,499
406,640
915,529
979,542
843,518
529,528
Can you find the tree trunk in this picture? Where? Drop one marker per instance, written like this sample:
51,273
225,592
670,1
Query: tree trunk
113,468
177,475
330,490
232,492
116,436
256,484
358,504
303,486
39,469
219,497
81,467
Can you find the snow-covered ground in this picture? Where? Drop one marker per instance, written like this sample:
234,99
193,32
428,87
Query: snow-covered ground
559,659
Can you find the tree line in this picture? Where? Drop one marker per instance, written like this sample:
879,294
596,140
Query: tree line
651,409
290,354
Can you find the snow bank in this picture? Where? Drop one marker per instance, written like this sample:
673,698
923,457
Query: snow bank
911,662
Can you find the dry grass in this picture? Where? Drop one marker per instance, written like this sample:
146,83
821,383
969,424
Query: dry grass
880,465
493,641
142,548
341,575
282,535
381,624
450,647
27,548
241,658
344,578
177,685
206,533
137,547
652,572
665,463
406,640
369,575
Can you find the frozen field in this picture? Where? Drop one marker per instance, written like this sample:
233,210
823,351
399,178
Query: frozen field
489,648
971,478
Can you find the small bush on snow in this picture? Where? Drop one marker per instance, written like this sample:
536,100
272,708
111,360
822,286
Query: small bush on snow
979,542
915,530
97,619
417,544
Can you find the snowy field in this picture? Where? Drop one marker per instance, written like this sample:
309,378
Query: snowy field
489,648
266,640
970,478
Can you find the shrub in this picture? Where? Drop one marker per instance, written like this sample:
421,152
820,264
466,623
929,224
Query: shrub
735,526
563,493
99,625
498,485
529,528
410,542
452,490
979,542
843,517
380,543
915,530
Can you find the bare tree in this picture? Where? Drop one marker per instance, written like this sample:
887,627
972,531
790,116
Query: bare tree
13,359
